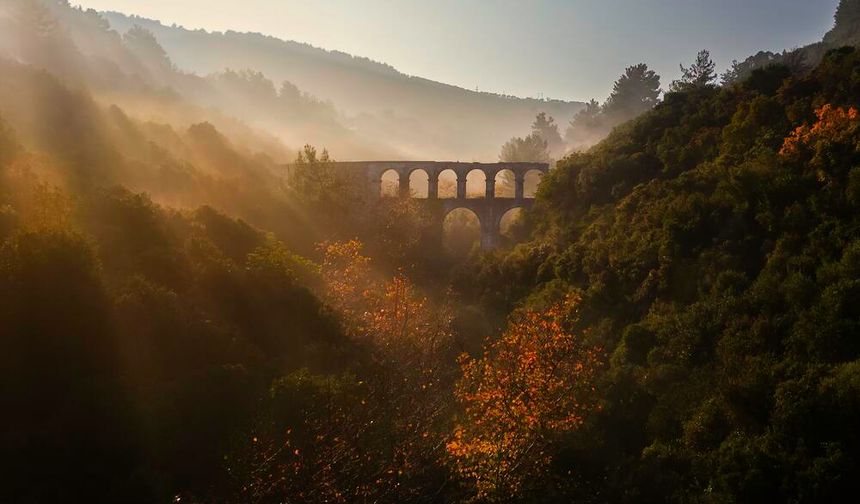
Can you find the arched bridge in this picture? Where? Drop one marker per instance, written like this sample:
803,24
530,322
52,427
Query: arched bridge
490,208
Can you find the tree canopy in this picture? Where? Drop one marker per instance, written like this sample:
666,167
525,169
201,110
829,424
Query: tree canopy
531,149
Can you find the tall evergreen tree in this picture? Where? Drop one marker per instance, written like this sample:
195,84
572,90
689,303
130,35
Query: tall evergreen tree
546,128
700,74
636,91
587,127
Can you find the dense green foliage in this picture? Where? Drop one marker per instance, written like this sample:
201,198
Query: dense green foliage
146,335
144,344
714,242
138,341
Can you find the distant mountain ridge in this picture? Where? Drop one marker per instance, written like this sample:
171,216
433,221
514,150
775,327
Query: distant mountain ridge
418,115
845,32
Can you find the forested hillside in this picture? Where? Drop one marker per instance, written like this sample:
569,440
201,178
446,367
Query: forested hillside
151,296
147,349
714,244
133,71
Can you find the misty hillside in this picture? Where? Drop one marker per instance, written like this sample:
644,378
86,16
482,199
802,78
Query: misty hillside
419,116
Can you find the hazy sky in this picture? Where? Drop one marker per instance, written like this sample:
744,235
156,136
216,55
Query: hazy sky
572,49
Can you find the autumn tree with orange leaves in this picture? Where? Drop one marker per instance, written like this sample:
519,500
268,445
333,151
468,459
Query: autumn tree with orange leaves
403,326
531,386
377,438
833,122
832,133
411,343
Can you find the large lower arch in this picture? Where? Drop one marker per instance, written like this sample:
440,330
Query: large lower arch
511,225
462,230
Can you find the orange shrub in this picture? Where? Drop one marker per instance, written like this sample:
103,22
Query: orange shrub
530,386
832,121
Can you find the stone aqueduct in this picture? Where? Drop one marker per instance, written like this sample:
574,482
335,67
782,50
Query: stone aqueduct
490,209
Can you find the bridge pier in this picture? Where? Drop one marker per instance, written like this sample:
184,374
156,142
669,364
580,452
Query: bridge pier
404,185
433,186
519,185
461,187
491,235
491,187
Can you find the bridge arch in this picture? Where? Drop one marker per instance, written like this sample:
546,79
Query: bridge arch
505,184
462,227
476,183
510,213
446,184
510,223
419,183
389,186
459,209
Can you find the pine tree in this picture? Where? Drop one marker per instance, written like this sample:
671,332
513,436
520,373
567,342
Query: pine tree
700,74
636,91
587,127
546,128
